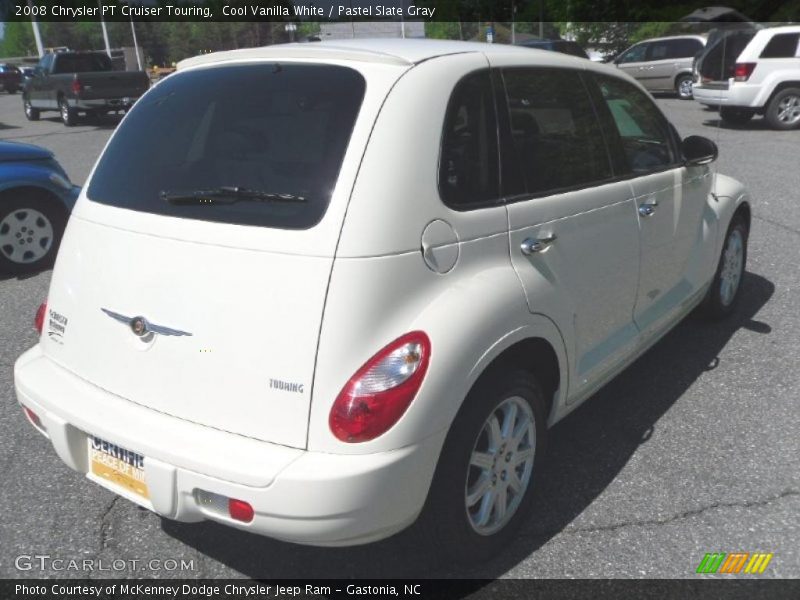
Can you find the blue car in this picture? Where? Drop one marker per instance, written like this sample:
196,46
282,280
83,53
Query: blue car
36,198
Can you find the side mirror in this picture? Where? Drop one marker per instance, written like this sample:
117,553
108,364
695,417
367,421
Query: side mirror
699,150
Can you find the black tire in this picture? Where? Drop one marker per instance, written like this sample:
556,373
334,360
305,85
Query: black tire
32,114
735,116
18,254
783,111
12,90
683,87
718,304
445,523
69,116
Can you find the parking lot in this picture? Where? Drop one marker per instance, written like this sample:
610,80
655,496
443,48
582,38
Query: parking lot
693,449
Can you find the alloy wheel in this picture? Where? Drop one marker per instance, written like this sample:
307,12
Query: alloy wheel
26,236
500,466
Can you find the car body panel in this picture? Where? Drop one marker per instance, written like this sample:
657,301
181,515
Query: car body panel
313,306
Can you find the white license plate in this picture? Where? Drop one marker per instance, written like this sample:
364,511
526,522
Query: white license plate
121,468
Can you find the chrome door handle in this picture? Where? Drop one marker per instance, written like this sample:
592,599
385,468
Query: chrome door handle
530,246
647,210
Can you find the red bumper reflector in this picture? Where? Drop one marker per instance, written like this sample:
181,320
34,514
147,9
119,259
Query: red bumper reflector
239,510
33,417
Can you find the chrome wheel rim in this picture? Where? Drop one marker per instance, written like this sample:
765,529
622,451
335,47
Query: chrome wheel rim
685,88
64,111
26,236
732,265
28,107
789,110
500,466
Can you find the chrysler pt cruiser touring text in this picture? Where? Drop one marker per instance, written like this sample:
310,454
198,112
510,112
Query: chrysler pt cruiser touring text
359,293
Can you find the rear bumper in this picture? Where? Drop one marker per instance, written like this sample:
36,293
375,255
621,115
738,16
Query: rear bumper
298,496
105,104
737,94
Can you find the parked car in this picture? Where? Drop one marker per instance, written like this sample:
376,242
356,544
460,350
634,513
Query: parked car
36,197
663,64
80,82
563,46
749,73
10,78
317,311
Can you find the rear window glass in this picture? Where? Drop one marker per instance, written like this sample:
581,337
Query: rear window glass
271,129
82,63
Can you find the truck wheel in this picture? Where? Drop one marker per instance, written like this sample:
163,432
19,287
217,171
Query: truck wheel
683,86
32,114
483,487
783,111
12,90
735,116
69,116
31,225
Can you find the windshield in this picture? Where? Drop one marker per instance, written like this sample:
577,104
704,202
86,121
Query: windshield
280,129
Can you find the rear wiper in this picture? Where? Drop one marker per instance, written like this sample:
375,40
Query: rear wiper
227,195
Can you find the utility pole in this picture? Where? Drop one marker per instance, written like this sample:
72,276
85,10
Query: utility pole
105,31
36,35
136,46
541,16
513,22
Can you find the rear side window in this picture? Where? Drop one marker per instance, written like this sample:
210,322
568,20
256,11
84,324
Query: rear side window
468,164
557,140
644,132
266,128
782,45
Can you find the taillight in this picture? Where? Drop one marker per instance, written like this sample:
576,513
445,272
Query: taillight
380,392
38,320
742,71
76,86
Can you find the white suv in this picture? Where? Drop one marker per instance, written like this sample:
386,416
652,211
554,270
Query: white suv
753,72
311,290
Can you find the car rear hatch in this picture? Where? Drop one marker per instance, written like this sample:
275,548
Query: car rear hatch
193,274
717,63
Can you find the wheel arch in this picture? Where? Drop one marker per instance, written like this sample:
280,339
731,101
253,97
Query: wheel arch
779,88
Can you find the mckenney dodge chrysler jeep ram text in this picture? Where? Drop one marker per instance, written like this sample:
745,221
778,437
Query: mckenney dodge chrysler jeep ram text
362,291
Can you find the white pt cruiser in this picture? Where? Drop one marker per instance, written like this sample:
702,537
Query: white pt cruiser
319,291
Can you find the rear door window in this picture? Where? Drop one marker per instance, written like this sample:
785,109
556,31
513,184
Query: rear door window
557,140
269,129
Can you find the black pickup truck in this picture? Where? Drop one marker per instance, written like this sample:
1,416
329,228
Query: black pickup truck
80,82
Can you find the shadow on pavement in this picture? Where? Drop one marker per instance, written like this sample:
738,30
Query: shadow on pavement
586,452
754,124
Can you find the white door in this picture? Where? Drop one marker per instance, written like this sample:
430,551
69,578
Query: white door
670,200
573,229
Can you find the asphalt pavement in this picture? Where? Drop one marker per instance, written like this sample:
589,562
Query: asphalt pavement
695,448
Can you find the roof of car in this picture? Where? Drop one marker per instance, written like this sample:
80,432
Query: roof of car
694,36
393,51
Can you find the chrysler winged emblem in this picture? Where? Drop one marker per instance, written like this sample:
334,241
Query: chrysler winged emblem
142,327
